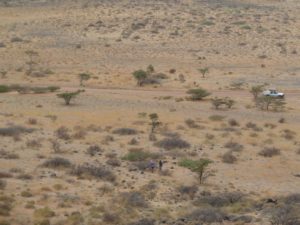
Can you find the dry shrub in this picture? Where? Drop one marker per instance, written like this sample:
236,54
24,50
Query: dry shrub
24,176
63,133
57,163
139,155
2,184
13,131
288,134
125,131
220,200
111,218
172,143
32,121
292,199
93,150
233,146
92,171
143,222
35,144
113,162
79,134
8,155
229,158
6,205
188,190
133,141
233,123
253,126
206,215
270,125
269,152
134,199
191,123
4,174
285,215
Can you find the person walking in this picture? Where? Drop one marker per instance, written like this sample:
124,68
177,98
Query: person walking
152,165
160,163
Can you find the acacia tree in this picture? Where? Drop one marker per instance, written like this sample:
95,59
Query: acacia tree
201,169
140,76
68,96
203,71
154,122
267,102
198,166
83,77
256,90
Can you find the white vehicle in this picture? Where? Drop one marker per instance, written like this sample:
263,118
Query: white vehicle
273,93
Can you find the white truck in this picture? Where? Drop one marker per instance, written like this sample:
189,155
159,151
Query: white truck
273,93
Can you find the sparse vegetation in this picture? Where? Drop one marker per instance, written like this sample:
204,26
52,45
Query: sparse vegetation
92,171
198,94
172,143
84,77
154,121
217,102
229,158
256,90
68,96
269,152
268,102
198,166
57,163
204,71
125,131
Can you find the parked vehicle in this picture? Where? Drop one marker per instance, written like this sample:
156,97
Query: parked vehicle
273,93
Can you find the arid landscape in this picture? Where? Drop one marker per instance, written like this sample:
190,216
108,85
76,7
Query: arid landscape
150,112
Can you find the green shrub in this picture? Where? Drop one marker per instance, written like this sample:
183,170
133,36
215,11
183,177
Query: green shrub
68,96
198,94
4,89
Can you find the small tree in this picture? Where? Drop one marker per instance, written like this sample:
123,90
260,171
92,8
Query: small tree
217,102
154,122
83,77
267,102
203,71
201,169
140,76
229,102
68,96
198,94
256,90
198,166
150,69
